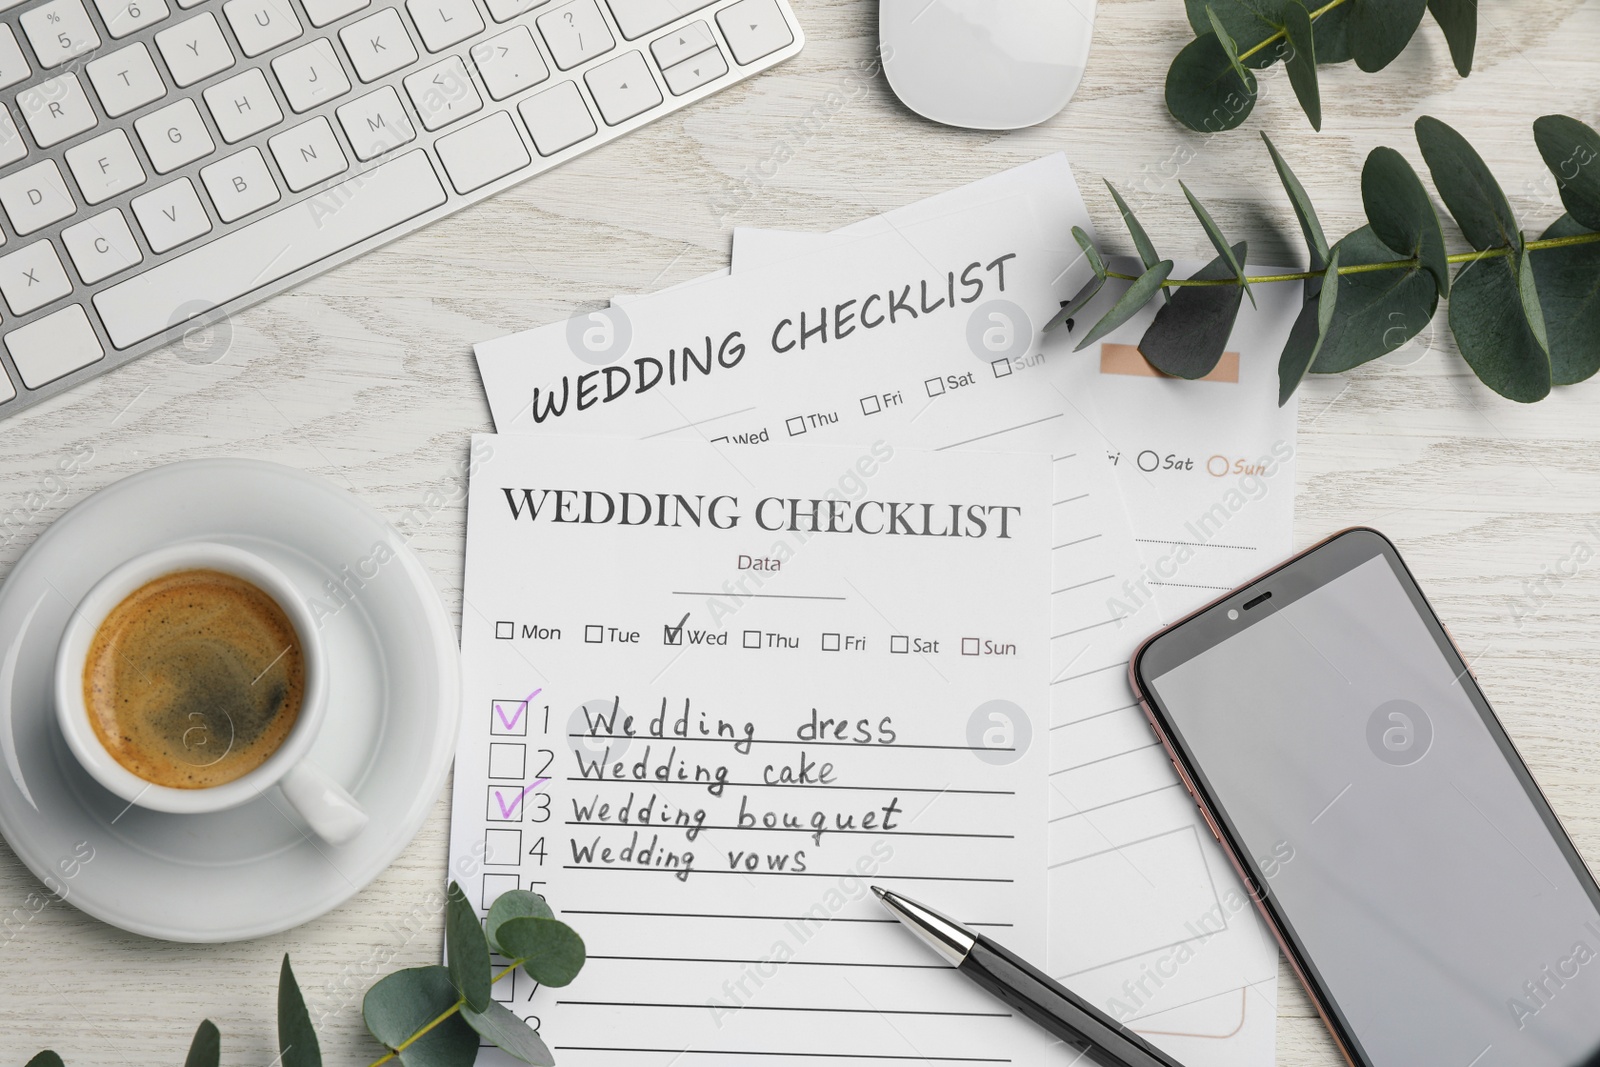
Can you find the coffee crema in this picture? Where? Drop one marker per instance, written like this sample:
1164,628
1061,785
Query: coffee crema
194,679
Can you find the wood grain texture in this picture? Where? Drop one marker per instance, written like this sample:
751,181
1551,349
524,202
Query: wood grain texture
365,375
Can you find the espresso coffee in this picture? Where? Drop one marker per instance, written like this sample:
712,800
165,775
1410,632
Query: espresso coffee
194,679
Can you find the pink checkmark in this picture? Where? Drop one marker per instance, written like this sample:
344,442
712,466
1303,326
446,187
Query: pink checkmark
511,723
507,809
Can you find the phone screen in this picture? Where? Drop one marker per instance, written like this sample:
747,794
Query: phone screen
1420,875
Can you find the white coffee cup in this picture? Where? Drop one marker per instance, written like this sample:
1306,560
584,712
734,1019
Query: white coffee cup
332,812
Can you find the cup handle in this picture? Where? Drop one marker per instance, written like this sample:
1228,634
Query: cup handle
332,812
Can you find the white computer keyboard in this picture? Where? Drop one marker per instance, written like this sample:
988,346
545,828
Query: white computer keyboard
165,162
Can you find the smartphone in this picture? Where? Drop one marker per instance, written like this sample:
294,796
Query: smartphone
1345,758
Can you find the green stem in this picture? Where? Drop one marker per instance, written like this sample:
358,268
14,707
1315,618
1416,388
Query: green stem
1281,34
1367,268
451,1010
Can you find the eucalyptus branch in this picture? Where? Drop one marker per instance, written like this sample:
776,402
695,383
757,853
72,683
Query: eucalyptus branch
1525,317
1280,35
441,1017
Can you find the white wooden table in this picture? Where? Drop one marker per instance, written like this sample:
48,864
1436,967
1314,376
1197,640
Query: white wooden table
366,376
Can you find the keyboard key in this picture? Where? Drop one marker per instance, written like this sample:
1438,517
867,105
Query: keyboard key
378,45
35,196
105,167
122,17
240,185
509,62
682,44
262,25
322,12
376,123
56,109
311,75
102,246
638,17
31,277
488,149
12,146
695,71
126,79
443,93
623,88
575,33
557,118
55,346
171,215
501,10
443,23
59,30
174,135
243,105
259,253
308,154
187,4
13,67
194,49
754,28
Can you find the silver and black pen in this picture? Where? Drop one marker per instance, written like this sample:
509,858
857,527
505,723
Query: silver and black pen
1025,988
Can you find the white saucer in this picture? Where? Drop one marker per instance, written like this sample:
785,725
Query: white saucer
389,737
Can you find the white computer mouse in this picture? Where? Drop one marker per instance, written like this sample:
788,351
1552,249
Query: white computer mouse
985,64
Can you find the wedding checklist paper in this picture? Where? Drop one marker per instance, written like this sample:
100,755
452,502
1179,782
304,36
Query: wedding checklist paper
712,693
1146,917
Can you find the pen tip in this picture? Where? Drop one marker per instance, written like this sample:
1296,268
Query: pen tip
881,893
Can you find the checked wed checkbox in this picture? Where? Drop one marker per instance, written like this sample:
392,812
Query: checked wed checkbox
673,635
508,802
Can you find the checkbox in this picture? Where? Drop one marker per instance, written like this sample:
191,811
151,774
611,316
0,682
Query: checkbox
502,848
752,639
508,718
935,386
508,760
593,635
495,884
796,426
1002,368
830,642
505,990
673,635
899,643
969,646
506,803
871,405
505,631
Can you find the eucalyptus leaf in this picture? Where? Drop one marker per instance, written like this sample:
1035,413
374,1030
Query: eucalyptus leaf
1571,150
520,904
1332,31
467,950
297,1038
1309,330
1248,22
509,1033
1378,310
206,1048
1380,29
1489,315
1568,280
46,1059
400,1004
551,951
1219,242
1228,45
1467,187
1090,252
1302,60
1204,92
1140,293
1459,21
1310,225
1401,214
1141,240
1192,329
1073,306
